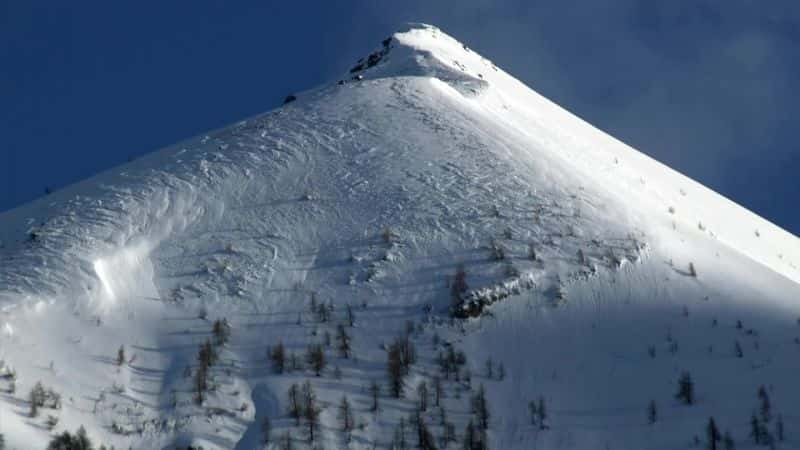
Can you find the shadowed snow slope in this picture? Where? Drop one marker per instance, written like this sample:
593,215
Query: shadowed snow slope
599,274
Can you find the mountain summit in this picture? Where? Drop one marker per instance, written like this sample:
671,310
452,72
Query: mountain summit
427,207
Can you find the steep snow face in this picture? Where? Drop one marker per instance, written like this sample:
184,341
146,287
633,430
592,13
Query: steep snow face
371,193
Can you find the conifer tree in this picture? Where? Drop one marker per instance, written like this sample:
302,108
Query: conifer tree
766,407
374,392
343,341
712,434
121,355
652,412
685,389
437,391
310,410
346,417
422,393
489,368
779,431
266,431
501,372
480,408
737,349
727,441
756,431
295,406
315,356
277,355
395,371
542,414
351,317
221,331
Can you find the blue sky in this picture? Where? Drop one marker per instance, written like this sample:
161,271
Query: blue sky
709,87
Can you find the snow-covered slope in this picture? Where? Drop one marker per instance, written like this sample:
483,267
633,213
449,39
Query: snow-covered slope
372,192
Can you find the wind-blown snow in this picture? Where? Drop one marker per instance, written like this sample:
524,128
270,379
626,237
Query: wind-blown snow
455,157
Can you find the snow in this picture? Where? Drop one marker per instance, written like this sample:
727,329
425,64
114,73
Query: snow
454,156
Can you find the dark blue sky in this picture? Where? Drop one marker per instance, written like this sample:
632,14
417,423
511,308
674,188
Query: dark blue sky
710,87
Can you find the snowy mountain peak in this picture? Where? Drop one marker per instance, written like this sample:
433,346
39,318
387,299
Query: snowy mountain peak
427,203
425,51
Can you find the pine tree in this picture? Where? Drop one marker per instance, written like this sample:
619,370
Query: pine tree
489,368
277,355
395,371
425,439
351,318
121,355
221,331
286,442
712,434
779,432
534,411
36,398
756,431
727,441
374,391
2,442
343,341
346,417
266,431
399,442
310,410
501,372
437,390
458,288
295,407
766,408
652,412
685,389
480,408
542,414
469,436
737,349
315,356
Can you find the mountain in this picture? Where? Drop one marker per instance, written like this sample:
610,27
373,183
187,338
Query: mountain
430,202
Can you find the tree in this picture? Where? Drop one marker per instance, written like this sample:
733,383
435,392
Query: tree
315,356
779,432
685,389
480,408
266,430
422,392
489,368
374,392
652,412
712,434
351,318
534,411
756,430
67,441
469,436
36,398
394,369
346,417
343,341
399,441
286,442
295,407
277,355
501,372
425,439
2,442
766,407
542,414
727,441
221,331
692,270
121,355
310,410
459,287
737,349
438,391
